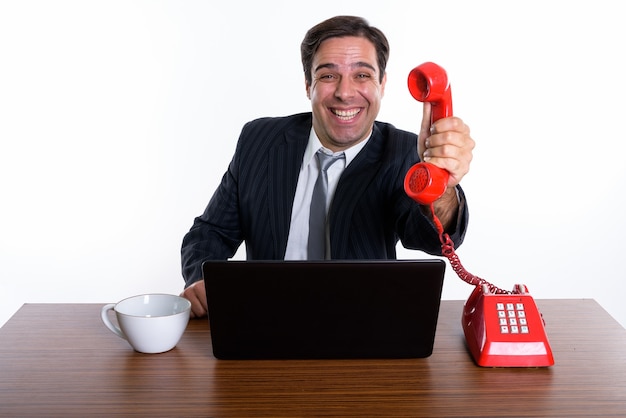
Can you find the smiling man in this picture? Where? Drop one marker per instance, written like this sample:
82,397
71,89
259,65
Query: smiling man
270,192
345,90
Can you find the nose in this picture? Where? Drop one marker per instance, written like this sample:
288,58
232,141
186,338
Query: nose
345,88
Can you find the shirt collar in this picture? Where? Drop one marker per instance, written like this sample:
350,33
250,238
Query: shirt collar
315,144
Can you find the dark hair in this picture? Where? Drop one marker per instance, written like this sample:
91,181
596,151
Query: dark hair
337,27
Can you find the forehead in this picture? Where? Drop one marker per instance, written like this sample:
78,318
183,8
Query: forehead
345,51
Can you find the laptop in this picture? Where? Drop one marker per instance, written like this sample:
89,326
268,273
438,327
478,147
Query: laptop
332,309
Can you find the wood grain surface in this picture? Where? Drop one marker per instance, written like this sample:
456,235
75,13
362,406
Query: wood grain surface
59,360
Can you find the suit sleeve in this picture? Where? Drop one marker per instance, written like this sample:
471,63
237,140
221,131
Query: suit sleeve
416,227
216,234
420,232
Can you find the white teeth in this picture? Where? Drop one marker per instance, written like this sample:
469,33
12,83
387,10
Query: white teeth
346,114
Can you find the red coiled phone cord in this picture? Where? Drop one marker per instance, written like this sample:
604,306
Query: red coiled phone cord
447,249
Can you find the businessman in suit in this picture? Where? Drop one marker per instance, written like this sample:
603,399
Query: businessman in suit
265,196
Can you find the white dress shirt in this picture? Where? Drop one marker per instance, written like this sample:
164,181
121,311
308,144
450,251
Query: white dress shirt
299,229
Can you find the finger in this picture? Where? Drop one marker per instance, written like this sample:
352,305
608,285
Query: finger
450,144
200,291
191,298
456,160
197,309
196,295
424,129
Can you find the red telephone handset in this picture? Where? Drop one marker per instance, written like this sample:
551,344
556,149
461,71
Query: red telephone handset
428,82
502,328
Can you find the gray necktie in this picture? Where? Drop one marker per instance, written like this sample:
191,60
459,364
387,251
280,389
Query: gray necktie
319,246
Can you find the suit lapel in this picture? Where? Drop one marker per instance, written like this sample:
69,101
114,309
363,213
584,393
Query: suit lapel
285,161
353,183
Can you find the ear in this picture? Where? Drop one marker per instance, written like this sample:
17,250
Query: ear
307,86
382,85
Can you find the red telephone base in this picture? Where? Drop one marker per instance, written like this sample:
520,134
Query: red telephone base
505,330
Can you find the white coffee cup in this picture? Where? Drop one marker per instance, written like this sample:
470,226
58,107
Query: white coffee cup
151,323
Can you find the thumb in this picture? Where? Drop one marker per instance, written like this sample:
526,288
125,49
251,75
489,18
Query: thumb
424,129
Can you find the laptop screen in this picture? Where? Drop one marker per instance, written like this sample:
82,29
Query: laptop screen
323,309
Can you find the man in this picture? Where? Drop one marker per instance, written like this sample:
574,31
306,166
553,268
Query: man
265,196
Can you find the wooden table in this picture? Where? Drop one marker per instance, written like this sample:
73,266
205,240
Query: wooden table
58,360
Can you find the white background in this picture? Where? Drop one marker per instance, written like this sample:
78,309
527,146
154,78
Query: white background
118,119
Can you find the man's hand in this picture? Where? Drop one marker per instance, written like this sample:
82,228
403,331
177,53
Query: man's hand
196,294
446,144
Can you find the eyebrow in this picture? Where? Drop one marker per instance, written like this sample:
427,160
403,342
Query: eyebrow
359,64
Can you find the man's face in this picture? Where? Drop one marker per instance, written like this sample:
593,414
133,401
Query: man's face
345,92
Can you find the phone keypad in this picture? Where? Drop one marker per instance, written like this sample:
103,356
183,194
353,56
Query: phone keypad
512,317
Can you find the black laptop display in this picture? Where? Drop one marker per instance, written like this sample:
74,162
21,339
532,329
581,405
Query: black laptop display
323,309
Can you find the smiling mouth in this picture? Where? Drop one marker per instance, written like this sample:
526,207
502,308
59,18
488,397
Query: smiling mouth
346,114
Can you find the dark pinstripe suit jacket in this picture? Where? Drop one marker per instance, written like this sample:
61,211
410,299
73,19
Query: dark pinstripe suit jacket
370,211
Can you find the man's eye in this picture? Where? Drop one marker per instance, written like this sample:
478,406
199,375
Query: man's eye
363,76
